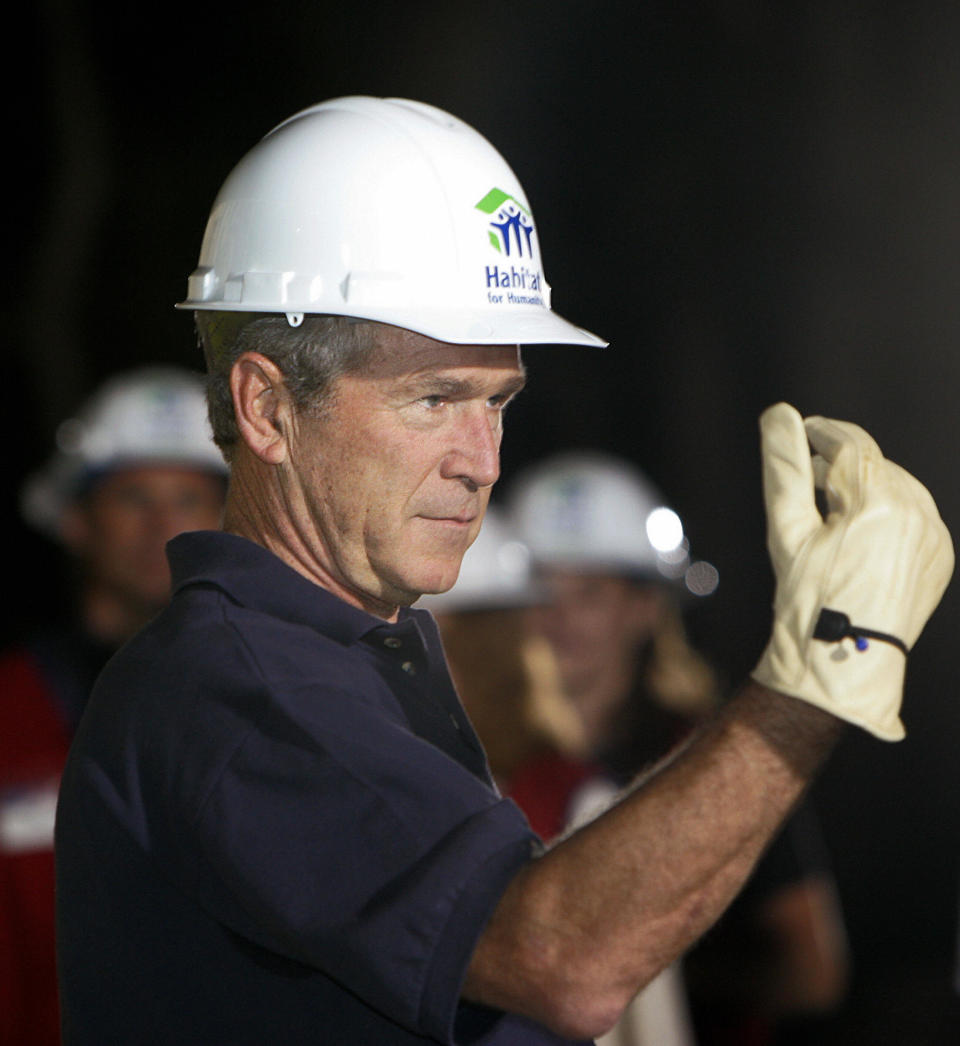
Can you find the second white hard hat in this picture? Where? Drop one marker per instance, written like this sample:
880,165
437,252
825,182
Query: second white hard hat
383,209
152,415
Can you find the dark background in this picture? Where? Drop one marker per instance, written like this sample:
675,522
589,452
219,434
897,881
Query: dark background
752,201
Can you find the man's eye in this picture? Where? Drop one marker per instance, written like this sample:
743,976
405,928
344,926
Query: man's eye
131,498
432,401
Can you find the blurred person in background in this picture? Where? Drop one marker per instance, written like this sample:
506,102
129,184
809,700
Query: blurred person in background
507,677
616,567
511,686
135,467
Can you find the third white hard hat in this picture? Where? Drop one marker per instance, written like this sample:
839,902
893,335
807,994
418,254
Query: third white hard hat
495,574
587,510
383,209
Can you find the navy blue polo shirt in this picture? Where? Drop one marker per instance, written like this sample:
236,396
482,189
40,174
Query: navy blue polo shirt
276,825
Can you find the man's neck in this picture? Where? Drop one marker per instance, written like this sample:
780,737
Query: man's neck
255,512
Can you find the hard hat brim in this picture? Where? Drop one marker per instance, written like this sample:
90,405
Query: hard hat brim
455,326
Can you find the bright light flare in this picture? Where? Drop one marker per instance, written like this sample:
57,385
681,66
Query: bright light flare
664,530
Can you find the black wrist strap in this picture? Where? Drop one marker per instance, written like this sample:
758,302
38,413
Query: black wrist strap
833,625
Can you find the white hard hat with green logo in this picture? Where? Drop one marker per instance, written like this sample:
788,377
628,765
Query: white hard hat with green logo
382,209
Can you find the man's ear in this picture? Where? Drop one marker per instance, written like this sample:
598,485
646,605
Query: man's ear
261,404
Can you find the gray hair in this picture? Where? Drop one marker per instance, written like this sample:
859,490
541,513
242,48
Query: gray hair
310,357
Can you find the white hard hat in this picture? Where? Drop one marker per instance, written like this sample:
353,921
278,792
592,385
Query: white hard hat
495,572
590,511
383,209
153,415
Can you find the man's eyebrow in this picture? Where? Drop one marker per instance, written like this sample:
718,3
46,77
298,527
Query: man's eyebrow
516,384
456,388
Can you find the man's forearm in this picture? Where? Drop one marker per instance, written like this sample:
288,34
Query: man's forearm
580,930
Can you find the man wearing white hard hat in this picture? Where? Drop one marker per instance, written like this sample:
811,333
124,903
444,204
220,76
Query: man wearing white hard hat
133,468
276,823
616,565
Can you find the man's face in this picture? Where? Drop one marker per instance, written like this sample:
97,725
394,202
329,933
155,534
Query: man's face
120,528
595,622
387,485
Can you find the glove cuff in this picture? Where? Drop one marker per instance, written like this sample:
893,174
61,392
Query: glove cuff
862,686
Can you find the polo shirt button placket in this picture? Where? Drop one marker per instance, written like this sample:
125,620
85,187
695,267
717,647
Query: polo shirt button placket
396,643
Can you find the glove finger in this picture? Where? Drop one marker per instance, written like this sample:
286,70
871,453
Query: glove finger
820,469
788,485
846,449
827,436
835,500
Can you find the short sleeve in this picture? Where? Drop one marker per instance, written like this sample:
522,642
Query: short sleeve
359,849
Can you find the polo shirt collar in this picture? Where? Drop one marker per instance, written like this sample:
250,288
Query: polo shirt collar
254,577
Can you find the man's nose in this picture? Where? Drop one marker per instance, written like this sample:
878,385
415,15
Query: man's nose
475,459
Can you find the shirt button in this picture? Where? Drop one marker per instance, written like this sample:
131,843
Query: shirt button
409,667
393,642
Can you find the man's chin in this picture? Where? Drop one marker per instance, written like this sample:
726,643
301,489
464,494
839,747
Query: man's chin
433,584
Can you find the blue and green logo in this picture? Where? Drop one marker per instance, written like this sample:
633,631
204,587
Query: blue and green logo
511,227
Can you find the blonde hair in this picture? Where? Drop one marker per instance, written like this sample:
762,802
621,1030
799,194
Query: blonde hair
677,676
510,687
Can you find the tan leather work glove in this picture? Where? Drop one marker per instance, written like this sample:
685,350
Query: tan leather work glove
854,589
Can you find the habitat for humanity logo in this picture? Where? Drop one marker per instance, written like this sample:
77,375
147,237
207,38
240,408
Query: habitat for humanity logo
511,234
513,225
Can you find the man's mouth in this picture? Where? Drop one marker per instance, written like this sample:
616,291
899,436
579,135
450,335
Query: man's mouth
462,517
